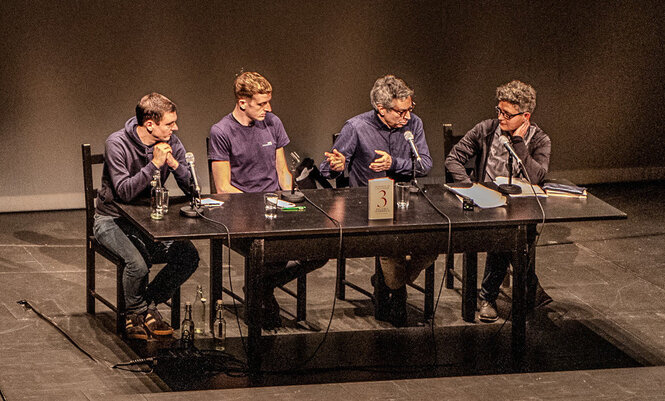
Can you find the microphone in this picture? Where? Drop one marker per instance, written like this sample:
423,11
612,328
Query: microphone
189,157
194,209
506,143
408,135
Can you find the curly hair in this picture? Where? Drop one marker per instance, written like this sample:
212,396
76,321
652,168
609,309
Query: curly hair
519,94
386,89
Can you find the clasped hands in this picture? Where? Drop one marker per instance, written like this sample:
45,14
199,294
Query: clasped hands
162,153
337,161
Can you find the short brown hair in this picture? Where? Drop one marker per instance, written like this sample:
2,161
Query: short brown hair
249,84
153,106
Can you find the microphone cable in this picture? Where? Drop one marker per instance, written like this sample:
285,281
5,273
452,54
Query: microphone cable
334,303
445,271
235,305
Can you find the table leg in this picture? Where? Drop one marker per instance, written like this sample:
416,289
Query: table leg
254,271
520,270
216,275
469,286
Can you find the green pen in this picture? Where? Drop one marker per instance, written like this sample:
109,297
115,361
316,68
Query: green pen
294,209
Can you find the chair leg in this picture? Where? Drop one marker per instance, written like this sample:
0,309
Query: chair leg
301,299
450,269
429,292
175,309
89,278
340,288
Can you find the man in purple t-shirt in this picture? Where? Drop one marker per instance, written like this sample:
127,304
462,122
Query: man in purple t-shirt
247,154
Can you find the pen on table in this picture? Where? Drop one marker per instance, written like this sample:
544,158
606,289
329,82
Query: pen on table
294,209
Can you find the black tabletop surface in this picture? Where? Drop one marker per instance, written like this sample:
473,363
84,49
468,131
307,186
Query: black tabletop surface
244,217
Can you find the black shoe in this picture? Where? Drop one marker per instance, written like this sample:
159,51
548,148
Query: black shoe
381,298
542,298
271,318
488,312
398,314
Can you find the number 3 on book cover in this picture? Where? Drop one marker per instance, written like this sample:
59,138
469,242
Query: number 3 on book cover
380,199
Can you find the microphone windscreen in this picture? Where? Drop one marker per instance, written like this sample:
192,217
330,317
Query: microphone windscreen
408,135
504,140
189,157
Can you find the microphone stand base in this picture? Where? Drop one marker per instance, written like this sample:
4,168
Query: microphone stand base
510,189
189,211
295,197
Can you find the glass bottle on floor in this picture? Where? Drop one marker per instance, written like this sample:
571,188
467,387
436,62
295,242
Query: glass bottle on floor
219,327
187,327
199,311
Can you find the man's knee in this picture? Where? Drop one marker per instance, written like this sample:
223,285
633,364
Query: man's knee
186,254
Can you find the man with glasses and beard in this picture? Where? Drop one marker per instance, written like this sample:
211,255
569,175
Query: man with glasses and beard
372,145
516,102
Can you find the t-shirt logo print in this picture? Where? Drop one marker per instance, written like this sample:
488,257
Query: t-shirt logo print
269,143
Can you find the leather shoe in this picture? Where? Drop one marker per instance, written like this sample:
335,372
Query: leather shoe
488,312
398,316
542,298
381,298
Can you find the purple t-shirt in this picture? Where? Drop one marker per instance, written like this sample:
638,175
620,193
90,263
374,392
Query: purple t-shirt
249,150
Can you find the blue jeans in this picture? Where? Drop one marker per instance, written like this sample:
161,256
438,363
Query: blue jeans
139,254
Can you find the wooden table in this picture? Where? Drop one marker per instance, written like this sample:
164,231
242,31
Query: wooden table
311,235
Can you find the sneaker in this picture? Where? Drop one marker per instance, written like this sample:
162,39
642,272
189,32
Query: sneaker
488,312
155,325
134,329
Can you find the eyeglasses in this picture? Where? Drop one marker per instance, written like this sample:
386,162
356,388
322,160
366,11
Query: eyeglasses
505,114
402,113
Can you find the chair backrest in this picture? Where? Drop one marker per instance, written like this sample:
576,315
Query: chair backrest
449,141
90,192
213,188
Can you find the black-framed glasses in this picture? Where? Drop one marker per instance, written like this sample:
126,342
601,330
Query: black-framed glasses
402,113
505,114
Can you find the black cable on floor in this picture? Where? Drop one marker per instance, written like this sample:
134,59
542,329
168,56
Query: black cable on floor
26,304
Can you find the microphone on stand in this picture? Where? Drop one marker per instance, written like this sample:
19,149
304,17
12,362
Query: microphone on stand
194,209
408,135
510,188
507,144
294,195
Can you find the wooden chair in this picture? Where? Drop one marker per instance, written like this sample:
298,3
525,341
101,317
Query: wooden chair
301,282
342,282
94,247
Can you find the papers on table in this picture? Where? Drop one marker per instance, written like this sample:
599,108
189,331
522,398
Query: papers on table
211,202
527,189
482,196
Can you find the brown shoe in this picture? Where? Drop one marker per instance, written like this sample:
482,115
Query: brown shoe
155,325
488,312
134,327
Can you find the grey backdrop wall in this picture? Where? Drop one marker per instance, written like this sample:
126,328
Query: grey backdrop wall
72,72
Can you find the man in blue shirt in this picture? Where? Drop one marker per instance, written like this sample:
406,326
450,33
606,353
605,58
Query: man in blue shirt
146,144
247,153
372,145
